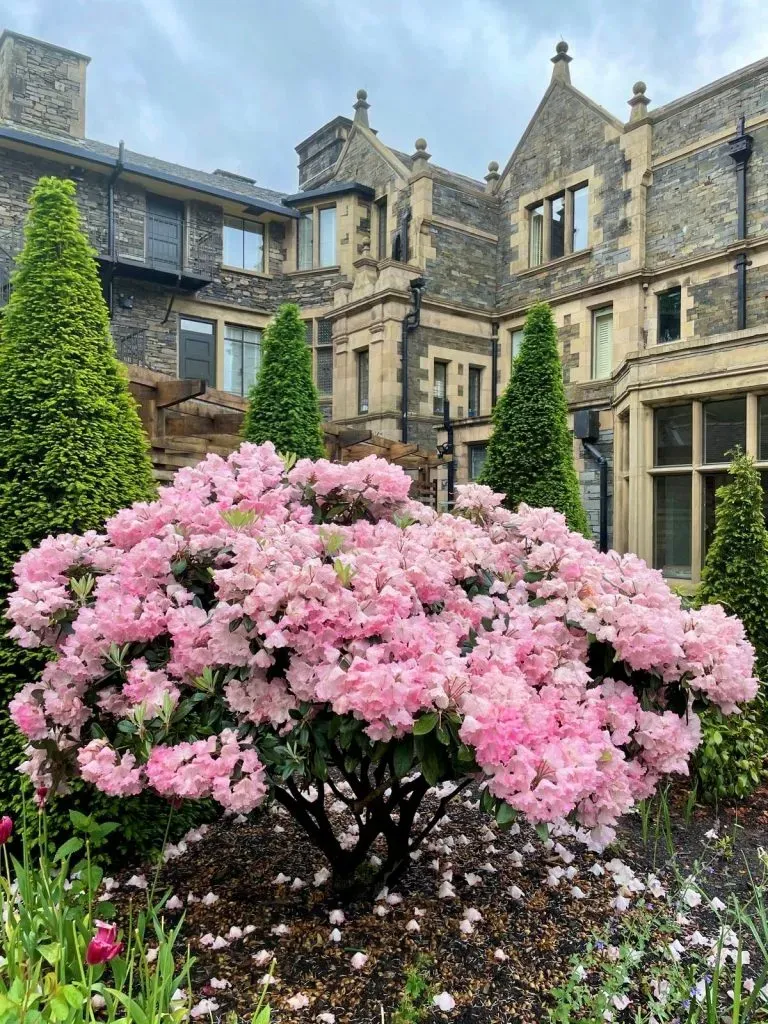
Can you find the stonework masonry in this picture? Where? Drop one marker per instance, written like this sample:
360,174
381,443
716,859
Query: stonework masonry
643,290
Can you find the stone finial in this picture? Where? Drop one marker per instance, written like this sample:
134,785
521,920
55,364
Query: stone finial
361,108
639,102
561,60
421,156
492,176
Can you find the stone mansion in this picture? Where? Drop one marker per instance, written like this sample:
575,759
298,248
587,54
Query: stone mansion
648,236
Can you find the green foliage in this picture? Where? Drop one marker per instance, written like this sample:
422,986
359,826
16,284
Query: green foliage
282,404
732,759
414,1005
73,449
530,453
735,573
45,933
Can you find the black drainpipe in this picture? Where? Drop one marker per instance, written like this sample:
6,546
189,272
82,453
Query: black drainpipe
494,363
111,233
411,321
740,150
602,465
447,449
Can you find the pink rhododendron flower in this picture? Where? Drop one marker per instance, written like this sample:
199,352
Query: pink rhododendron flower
248,597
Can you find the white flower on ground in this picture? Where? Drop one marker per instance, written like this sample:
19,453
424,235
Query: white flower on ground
335,936
711,834
500,955
516,859
717,904
321,877
249,928
299,1001
337,917
381,910
219,943
676,950
466,927
191,898
580,972
220,983
488,868
472,879
206,940
446,891
621,1002
137,882
577,893
691,897
326,1018
394,898
280,929
413,926
358,961
621,903
297,884
178,997
473,915
151,954
204,1008
444,1001
235,933
209,899
281,879
697,939
597,870
262,958
174,903
515,892
98,1002
267,979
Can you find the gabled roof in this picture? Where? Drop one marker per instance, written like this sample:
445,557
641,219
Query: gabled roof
601,112
708,90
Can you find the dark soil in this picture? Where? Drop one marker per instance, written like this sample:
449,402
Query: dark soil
239,861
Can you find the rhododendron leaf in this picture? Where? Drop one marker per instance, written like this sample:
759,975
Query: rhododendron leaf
465,755
124,725
505,815
402,757
534,577
319,766
542,830
235,624
487,801
179,566
73,845
425,724
443,735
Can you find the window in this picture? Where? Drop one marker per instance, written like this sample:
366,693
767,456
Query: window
475,382
440,388
476,459
669,315
580,236
382,249
517,341
557,227
672,525
243,244
602,343
536,236
305,236
762,427
309,332
362,381
674,435
725,428
324,357
328,236
242,358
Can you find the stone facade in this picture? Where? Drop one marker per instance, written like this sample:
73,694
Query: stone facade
658,218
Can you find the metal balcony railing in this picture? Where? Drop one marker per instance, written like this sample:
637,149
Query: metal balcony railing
132,348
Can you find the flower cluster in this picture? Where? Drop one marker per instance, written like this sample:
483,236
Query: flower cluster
251,596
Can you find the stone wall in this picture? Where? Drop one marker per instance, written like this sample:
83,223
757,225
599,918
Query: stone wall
568,136
589,480
471,208
363,163
321,150
149,308
42,86
568,336
715,302
463,270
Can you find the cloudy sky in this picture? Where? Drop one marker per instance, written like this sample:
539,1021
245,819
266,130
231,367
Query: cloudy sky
237,83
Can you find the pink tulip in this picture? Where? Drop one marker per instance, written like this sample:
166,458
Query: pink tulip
103,946
6,828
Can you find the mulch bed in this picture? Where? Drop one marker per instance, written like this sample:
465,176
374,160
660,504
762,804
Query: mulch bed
238,861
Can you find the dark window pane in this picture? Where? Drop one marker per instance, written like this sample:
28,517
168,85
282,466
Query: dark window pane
475,380
764,482
557,228
672,525
308,325
762,427
725,428
669,315
328,237
536,238
477,454
711,483
439,389
580,218
362,381
383,243
324,370
674,436
324,332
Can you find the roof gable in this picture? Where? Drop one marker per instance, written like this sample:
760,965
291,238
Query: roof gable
558,91
365,158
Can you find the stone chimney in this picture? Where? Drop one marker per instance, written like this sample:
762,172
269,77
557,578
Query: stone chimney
42,86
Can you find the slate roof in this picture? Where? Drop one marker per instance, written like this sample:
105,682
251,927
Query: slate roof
461,180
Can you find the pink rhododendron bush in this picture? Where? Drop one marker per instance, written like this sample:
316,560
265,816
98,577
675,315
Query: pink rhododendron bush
307,633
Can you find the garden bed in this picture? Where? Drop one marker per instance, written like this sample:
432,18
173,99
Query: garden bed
537,907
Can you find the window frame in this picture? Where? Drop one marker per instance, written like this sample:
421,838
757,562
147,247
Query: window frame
326,208
264,235
305,217
598,313
363,360
659,296
443,363
474,376
472,448
382,227
242,343
512,332
543,246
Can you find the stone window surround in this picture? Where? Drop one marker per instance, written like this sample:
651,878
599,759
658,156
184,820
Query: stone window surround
545,193
292,240
566,194
191,309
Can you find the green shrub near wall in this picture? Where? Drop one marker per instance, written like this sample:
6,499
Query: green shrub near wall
530,452
282,405
72,449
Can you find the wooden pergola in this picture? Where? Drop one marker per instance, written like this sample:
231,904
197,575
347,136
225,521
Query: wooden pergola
347,444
